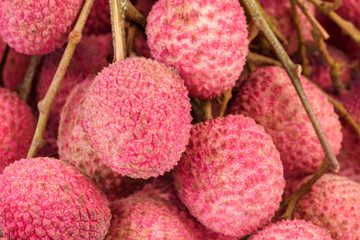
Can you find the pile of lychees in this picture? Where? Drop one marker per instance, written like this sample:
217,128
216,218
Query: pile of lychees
148,147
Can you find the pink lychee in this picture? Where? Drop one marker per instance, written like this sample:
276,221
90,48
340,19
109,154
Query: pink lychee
208,49
16,129
230,177
99,21
86,60
137,117
45,198
37,27
280,13
334,204
269,97
294,230
75,148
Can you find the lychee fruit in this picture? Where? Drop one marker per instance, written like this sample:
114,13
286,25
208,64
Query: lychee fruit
86,60
99,20
137,117
294,230
230,177
16,129
333,203
145,217
45,198
269,97
208,49
75,148
37,27
280,13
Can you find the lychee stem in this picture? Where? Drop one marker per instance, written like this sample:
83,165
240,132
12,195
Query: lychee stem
25,88
206,109
253,31
224,102
2,64
117,10
134,15
130,41
258,59
294,74
301,40
290,202
45,104
347,27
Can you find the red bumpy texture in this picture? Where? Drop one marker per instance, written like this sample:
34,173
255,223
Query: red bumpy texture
269,97
16,129
75,148
208,49
230,177
294,230
137,117
334,204
37,27
45,198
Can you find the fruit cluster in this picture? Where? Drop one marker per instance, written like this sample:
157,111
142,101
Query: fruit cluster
154,146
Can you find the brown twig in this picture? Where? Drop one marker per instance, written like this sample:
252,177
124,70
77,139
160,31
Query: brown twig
118,28
45,104
196,112
314,23
206,109
294,74
253,31
225,100
302,48
2,64
25,88
347,27
290,203
258,59
130,41
134,15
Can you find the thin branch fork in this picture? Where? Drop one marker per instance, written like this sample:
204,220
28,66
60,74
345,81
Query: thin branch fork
294,72
25,88
45,104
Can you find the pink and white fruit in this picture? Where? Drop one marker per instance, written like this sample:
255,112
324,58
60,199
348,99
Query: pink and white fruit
230,177
137,117
45,198
269,97
280,13
17,128
37,27
150,218
294,230
334,204
207,49
75,148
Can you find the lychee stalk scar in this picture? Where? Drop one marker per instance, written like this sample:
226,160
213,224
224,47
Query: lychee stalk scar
294,72
45,104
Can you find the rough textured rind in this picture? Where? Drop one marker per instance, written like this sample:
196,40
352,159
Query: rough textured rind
294,230
144,217
86,60
269,97
230,177
280,13
17,127
99,21
334,204
45,198
208,49
137,117
75,148
37,27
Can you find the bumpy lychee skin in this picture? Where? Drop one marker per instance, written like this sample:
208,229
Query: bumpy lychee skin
149,218
45,198
75,148
99,21
207,49
37,27
294,230
269,97
137,117
332,203
16,129
230,177
86,60
280,12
